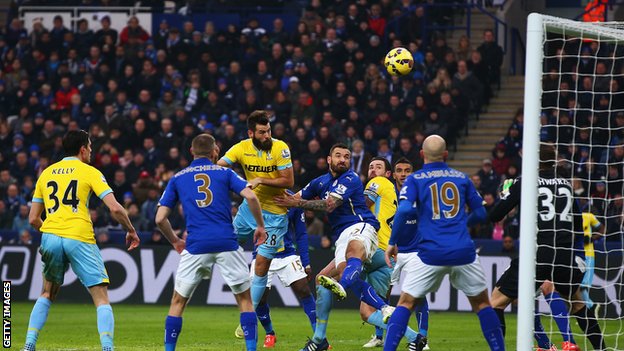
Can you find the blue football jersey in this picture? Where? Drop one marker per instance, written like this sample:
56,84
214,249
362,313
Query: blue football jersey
440,194
297,234
203,189
350,189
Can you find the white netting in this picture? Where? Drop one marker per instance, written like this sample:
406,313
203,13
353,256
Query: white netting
583,115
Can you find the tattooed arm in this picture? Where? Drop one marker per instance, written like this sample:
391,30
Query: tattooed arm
326,205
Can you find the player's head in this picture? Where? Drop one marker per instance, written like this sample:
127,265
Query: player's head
402,168
434,149
548,156
204,145
339,159
260,129
77,143
379,167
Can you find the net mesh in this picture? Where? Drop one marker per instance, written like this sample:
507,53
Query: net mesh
583,116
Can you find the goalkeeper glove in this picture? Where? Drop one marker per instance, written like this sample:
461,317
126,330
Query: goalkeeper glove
505,189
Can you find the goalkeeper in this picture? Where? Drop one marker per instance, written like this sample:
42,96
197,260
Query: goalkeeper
556,255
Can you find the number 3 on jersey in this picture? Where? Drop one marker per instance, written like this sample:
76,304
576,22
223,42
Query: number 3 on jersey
70,197
203,189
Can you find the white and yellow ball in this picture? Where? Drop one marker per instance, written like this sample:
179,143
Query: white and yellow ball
399,61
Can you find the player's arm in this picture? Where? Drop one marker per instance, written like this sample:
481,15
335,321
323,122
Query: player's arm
325,205
599,229
34,217
120,215
162,221
475,202
260,234
285,180
230,157
404,212
507,202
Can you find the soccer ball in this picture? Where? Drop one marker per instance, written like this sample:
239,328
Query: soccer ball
399,61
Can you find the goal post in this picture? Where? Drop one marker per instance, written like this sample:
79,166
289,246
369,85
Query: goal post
575,73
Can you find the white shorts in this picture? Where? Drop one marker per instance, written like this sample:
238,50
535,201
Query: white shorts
362,232
195,268
421,279
288,269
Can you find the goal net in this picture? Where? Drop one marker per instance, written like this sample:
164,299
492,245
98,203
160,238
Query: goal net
574,99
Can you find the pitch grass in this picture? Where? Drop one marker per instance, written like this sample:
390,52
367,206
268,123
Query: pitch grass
140,327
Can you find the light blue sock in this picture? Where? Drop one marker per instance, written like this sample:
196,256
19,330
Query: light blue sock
376,319
258,285
106,326
249,324
588,301
324,300
173,328
38,317
491,328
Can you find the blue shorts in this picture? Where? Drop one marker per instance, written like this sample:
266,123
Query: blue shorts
58,253
276,226
378,274
588,278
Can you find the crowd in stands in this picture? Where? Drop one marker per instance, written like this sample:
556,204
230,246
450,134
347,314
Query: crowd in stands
144,95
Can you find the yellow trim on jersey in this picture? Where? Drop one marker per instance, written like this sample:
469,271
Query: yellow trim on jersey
590,222
257,163
381,191
64,188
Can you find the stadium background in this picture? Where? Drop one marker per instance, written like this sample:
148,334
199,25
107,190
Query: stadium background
144,91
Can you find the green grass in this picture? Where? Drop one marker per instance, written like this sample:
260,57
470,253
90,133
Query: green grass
140,327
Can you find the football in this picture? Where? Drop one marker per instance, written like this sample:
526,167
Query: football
399,61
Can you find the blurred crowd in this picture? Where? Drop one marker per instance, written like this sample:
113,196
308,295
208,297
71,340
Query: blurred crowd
144,95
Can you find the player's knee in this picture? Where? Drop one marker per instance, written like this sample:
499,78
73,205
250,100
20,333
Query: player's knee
547,287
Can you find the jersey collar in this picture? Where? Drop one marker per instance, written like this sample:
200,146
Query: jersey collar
435,165
71,158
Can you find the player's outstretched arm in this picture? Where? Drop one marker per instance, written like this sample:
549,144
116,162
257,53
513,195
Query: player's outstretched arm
260,234
120,215
223,163
162,221
326,205
34,217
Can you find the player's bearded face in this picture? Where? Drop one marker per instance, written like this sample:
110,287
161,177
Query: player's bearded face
262,138
340,161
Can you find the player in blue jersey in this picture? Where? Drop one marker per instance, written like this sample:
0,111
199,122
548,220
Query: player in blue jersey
292,267
341,194
437,196
203,190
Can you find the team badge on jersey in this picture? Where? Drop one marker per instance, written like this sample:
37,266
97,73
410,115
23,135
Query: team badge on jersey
374,187
341,189
103,179
269,158
285,153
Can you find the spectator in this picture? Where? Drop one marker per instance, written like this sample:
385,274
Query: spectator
492,55
157,238
509,246
500,162
359,158
6,218
25,238
407,150
140,222
489,179
133,33
20,222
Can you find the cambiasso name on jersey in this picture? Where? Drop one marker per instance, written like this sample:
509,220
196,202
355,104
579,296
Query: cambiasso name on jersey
439,173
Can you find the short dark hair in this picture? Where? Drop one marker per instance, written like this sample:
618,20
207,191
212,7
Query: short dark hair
74,140
257,117
385,161
338,146
203,145
403,160
548,156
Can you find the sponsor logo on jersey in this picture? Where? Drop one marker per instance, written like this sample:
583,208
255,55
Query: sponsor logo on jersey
261,169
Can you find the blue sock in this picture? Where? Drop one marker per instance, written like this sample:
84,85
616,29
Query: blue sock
173,327
250,328
422,315
106,325
490,325
376,319
38,317
367,294
396,328
265,317
258,285
379,333
543,342
560,313
588,301
309,307
324,300
352,272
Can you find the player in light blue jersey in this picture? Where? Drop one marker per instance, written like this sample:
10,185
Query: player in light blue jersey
292,267
436,196
341,195
203,190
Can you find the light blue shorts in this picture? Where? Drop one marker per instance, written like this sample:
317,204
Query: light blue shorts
58,253
276,226
588,278
378,274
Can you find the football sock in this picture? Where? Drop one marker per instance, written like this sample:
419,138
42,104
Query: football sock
422,315
309,307
38,317
396,328
352,272
264,317
559,311
588,323
106,325
543,342
324,300
258,285
173,327
490,325
588,301
379,333
250,328
376,319
500,313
